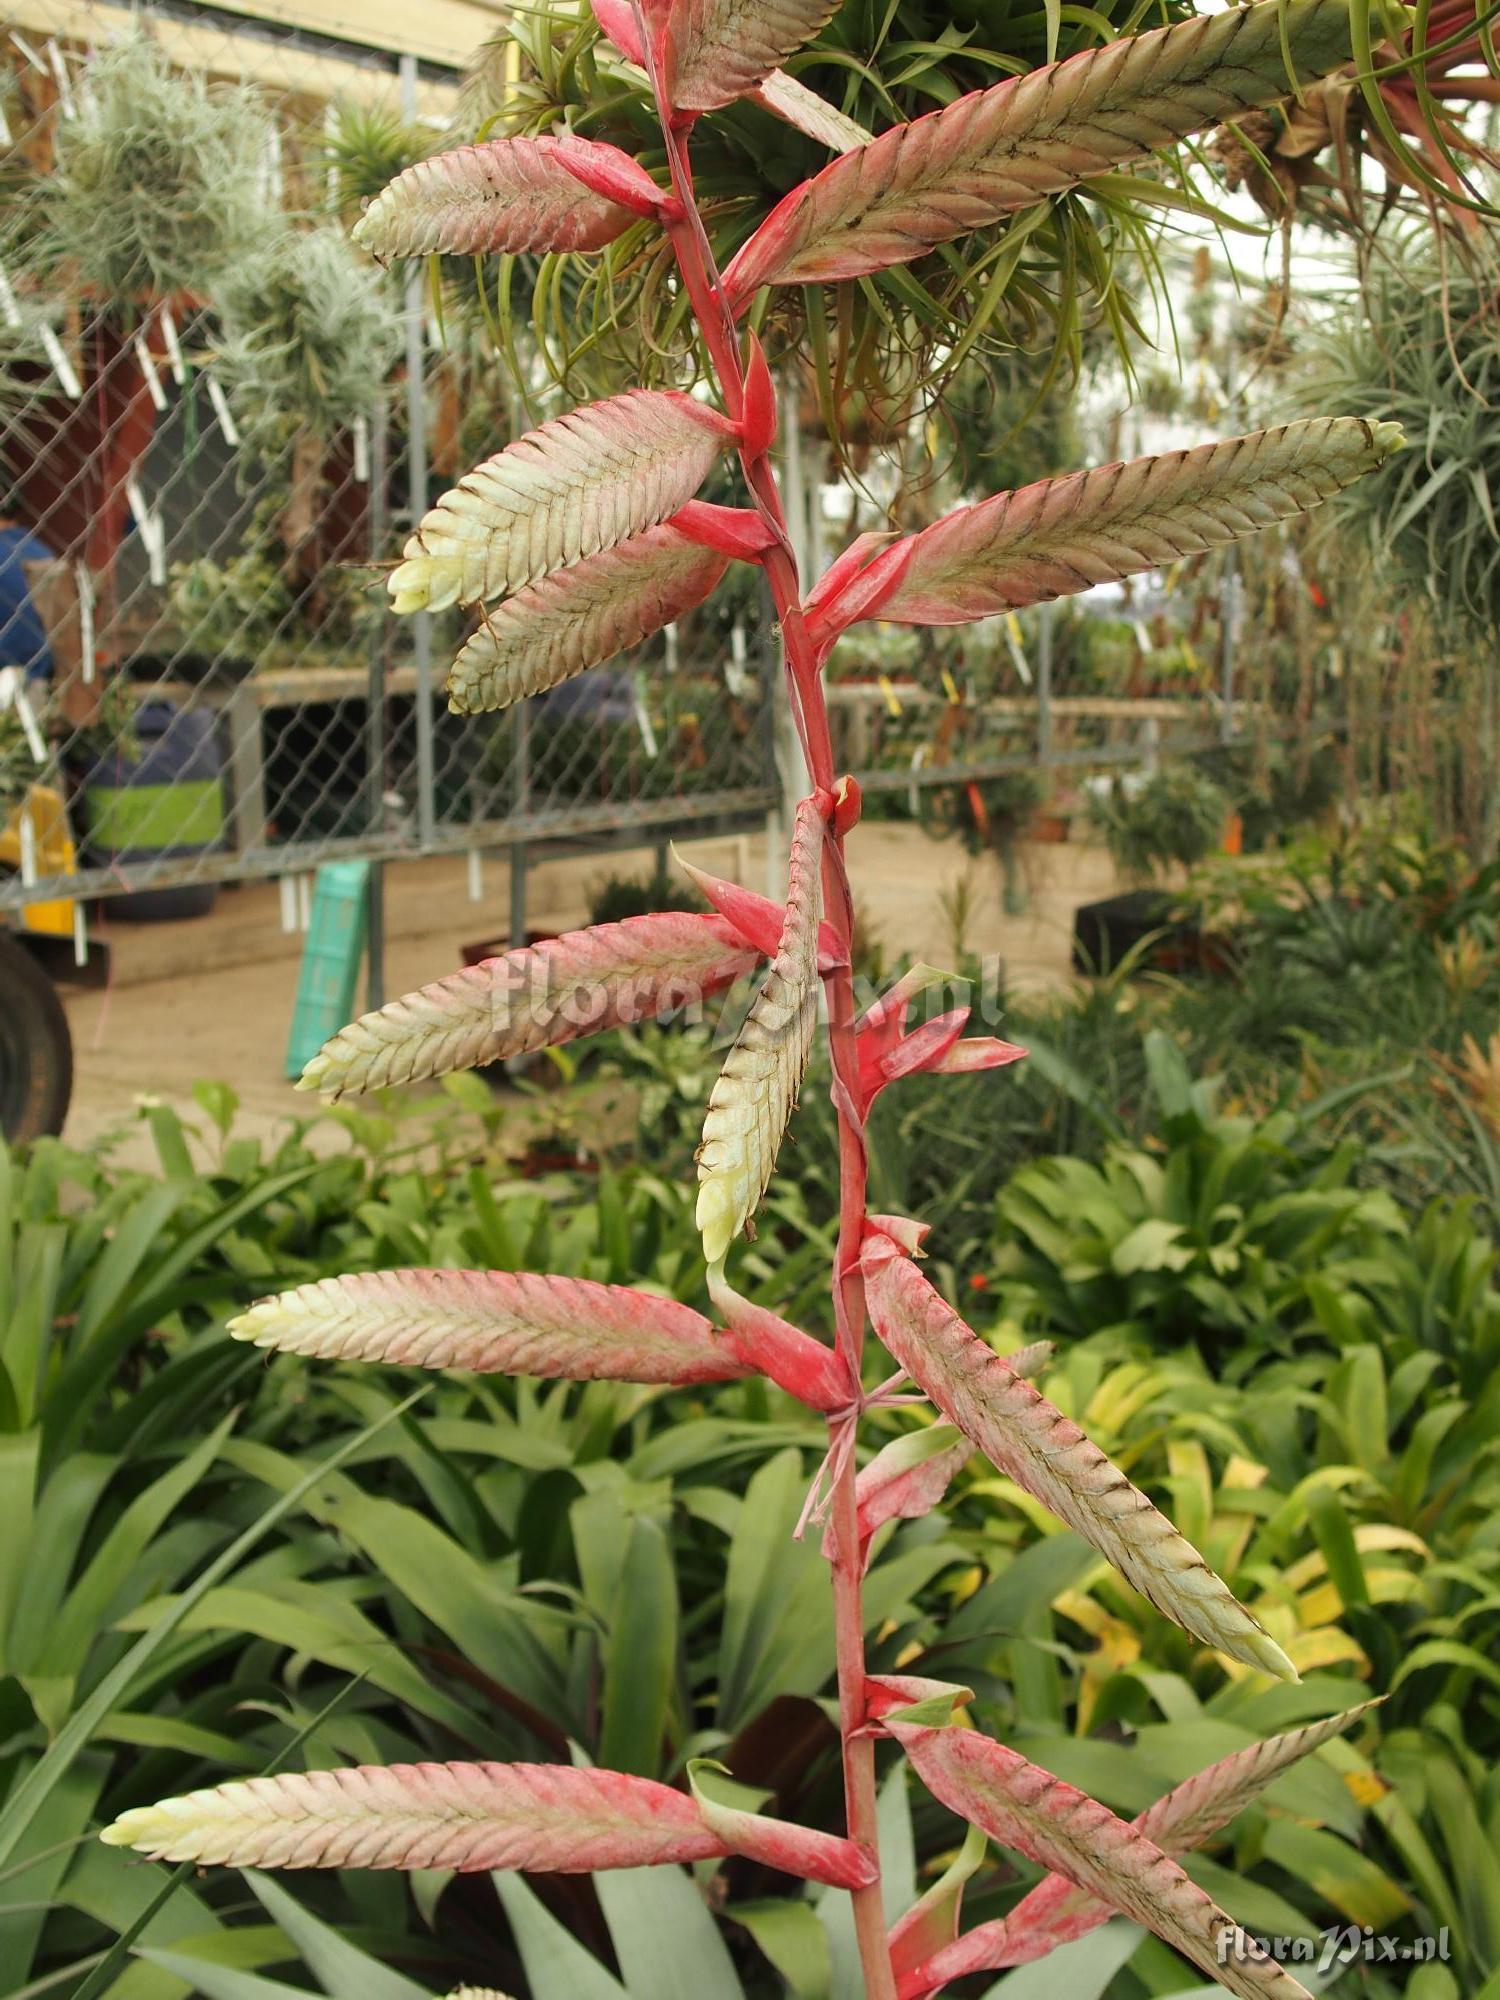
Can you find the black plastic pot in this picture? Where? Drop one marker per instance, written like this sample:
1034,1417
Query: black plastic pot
1107,931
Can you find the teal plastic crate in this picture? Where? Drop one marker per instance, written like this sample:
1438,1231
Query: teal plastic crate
330,959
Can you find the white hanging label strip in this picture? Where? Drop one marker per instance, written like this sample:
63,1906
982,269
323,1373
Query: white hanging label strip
642,713
222,411
735,677
8,306
152,533
30,53
13,695
361,436
147,362
476,875
64,81
62,367
288,888
174,347
28,851
84,578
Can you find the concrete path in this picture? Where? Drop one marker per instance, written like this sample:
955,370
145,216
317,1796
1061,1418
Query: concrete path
212,998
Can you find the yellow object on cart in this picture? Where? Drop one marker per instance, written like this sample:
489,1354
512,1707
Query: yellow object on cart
48,847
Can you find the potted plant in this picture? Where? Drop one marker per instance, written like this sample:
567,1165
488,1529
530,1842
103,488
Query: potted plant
152,790
990,816
1053,820
1175,817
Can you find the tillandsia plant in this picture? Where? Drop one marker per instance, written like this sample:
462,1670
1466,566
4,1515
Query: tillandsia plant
582,537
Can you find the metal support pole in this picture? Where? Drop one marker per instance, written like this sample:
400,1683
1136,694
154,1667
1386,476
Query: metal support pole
789,765
1229,584
1229,580
520,807
416,448
375,715
518,895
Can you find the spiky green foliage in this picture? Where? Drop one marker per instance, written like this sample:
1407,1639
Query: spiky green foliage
1420,342
156,186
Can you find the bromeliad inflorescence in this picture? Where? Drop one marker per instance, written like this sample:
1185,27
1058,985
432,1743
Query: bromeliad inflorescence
580,539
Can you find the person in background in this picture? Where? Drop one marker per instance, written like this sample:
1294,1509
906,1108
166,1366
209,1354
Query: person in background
23,638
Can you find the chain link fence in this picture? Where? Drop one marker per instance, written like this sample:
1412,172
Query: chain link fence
217,422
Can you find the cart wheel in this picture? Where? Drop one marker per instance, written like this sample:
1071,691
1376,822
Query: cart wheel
36,1049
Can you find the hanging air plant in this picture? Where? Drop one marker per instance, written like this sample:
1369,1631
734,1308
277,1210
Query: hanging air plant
156,188
309,331
1423,345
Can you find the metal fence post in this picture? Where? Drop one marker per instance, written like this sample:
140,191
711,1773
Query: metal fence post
520,779
789,767
1229,584
1229,577
380,457
416,450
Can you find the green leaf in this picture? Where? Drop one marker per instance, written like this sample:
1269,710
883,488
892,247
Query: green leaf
26,1798
340,1966
1355,1886
668,1946
1336,1539
18,1469
92,1600
555,1962
1153,1245
1171,1079
1081,1970
791,1937
774,1634
221,1982
61,1820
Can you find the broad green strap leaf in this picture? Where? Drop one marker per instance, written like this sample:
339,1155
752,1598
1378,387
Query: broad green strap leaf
1065,535
721,49
1056,1911
756,1092
27,1794
220,1982
1061,1828
494,1322
553,1958
1002,149
507,194
581,616
341,1966
534,998
1050,1458
577,485
791,1937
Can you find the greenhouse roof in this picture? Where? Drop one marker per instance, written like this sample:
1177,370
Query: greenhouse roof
282,43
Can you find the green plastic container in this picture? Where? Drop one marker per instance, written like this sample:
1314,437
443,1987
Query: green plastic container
330,959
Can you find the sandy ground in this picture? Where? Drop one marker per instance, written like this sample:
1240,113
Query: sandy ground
212,998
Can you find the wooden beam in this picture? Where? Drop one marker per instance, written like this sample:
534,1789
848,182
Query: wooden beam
255,58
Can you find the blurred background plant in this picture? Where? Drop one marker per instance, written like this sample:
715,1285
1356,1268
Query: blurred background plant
158,184
1175,817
